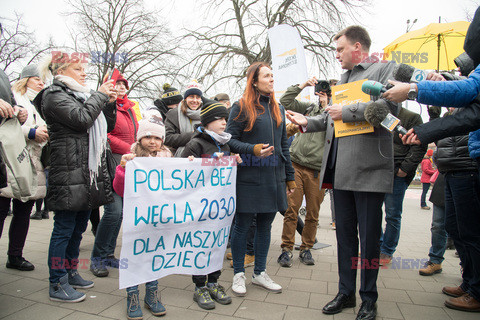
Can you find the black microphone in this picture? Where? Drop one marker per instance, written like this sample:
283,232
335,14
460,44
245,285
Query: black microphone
378,114
405,73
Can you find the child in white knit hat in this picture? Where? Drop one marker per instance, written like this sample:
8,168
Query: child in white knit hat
150,137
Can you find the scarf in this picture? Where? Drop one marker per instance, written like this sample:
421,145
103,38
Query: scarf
31,94
221,138
97,134
124,103
186,124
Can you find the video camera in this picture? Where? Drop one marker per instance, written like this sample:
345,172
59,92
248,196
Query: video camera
323,86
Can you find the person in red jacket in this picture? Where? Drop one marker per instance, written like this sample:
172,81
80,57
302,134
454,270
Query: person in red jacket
120,139
427,172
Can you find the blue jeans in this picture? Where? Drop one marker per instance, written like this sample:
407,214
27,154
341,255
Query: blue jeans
439,235
243,221
425,187
108,229
150,284
393,216
68,228
462,209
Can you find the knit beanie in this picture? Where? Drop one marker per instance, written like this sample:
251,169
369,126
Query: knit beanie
170,95
150,128
121,78
212,110
193,88
30,71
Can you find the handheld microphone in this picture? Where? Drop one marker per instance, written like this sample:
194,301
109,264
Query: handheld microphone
378,114
373,88
405,73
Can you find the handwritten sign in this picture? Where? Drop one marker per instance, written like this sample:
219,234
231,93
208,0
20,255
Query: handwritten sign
177,216
344,95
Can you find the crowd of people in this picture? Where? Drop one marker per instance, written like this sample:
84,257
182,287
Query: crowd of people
78,142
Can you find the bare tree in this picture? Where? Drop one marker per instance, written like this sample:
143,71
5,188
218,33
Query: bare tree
19,47
226,47
125,35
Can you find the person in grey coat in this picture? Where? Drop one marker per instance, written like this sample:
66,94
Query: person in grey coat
360,167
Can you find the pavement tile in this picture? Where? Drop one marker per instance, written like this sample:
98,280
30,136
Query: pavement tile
416,312
387,309
393,295
39,311
10,305
289,298
260,310
297,313
403,284
427,298
308,285
23,287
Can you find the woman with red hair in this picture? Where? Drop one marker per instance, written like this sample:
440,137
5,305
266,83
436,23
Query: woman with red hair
257,126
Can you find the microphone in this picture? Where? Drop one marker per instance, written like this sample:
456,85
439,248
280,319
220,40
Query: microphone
373,88
405,73
378,114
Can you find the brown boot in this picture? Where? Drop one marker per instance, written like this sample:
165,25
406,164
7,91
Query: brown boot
463,303
430,269
453,291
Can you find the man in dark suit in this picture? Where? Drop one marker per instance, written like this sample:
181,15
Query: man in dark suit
361,170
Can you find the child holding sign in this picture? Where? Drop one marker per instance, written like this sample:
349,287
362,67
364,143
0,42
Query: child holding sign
209,140
150,137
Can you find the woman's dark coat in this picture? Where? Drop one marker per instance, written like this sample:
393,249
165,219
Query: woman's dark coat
261,183
68,119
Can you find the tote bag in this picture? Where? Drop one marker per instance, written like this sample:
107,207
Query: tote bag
21,173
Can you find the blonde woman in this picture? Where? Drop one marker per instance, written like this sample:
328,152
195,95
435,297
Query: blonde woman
77,120
25,90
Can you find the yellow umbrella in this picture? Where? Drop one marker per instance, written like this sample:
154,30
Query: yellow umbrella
432,47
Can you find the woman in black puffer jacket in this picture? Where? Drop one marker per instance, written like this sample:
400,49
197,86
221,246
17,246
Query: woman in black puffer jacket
77,121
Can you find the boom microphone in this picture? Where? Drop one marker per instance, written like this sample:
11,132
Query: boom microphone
378,114
405,73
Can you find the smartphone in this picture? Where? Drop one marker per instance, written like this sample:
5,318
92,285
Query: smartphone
114,76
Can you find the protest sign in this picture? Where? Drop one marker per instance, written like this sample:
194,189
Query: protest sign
177,216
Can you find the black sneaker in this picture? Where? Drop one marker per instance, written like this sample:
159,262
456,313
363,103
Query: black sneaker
285,259
99,269
37,215
19,263
45,214
306,257
112,261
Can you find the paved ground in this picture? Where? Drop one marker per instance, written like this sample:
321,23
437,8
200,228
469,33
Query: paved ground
403,293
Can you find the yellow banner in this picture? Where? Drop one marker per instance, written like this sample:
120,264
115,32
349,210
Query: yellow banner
346,94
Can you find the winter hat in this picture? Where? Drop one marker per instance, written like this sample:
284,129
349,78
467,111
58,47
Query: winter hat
121,78
429,152
170,95
150,127
193,88
212,110
30,71
472,39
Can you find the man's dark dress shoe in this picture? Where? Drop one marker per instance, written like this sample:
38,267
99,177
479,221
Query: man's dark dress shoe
340,302
368,311
19,263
